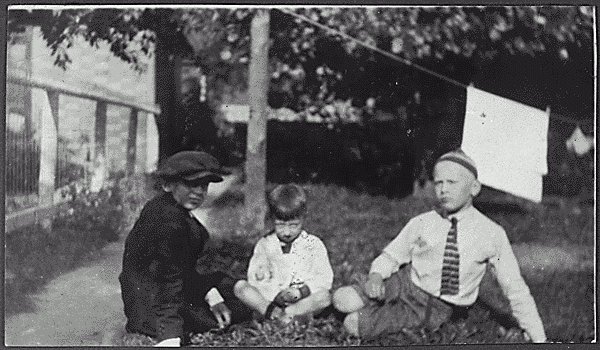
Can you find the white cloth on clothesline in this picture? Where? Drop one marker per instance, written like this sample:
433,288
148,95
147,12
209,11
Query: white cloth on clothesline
579,143
508,142
521,183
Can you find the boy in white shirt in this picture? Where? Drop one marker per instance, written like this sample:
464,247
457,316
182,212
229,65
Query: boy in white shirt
435,265
289,273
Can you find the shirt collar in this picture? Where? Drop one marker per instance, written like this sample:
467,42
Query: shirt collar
461,215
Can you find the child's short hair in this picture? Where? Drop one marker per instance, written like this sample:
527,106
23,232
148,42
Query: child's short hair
287,202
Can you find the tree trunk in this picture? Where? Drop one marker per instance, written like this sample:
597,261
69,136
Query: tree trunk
165,93
253,219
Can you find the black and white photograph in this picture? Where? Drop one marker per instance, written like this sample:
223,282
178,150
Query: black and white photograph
337,175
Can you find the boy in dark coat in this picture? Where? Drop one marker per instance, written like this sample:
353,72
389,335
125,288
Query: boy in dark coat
164,295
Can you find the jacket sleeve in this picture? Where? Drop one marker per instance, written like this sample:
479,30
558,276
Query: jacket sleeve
320,276
171,260
506,269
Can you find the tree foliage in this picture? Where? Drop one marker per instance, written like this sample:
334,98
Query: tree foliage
312,70
322,66
316,70
311,66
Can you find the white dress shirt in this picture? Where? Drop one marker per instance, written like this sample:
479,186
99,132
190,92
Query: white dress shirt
271,271
481,242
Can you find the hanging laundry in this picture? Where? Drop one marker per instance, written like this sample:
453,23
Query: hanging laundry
508,141
579,143
522,183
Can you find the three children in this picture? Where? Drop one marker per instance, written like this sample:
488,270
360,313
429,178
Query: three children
430,271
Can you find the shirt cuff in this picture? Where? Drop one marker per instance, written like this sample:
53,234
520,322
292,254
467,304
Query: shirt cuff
304,291
213,297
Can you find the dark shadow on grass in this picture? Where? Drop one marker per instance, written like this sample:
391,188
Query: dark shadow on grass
230,255
16,302
492,208
19,293
35,264
229,198
492,202
503,318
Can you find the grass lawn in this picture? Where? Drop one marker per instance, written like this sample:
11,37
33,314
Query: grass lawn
355,228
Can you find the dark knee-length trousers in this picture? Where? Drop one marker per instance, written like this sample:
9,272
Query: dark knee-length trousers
140,309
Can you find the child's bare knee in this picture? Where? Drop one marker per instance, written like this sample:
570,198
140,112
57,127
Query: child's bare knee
322,299
351,323
240,287
346,299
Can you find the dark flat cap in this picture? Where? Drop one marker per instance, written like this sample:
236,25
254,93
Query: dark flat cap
192,165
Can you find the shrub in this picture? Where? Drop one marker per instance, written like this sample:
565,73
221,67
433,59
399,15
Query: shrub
87,211
135,192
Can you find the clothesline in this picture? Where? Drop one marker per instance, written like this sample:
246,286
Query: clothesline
403,60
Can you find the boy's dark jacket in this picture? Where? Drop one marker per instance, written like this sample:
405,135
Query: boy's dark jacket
159,263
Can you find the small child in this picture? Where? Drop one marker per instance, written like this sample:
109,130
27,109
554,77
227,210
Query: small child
289,273
435,265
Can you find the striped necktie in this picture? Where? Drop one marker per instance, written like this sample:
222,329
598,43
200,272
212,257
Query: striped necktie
450,265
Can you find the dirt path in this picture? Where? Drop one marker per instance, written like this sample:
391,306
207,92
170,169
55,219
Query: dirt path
84,307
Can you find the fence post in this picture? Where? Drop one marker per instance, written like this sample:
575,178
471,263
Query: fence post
28,38
140,159
48,152
131,141
99,156
152,151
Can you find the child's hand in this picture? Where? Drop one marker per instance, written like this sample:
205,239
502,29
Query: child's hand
222,314
374,288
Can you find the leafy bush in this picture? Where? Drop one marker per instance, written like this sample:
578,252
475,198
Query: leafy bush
100,212
135,192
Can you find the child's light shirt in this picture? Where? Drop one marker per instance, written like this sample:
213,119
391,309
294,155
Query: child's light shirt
480,242
307,262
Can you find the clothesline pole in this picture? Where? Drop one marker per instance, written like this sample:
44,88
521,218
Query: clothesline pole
403,60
